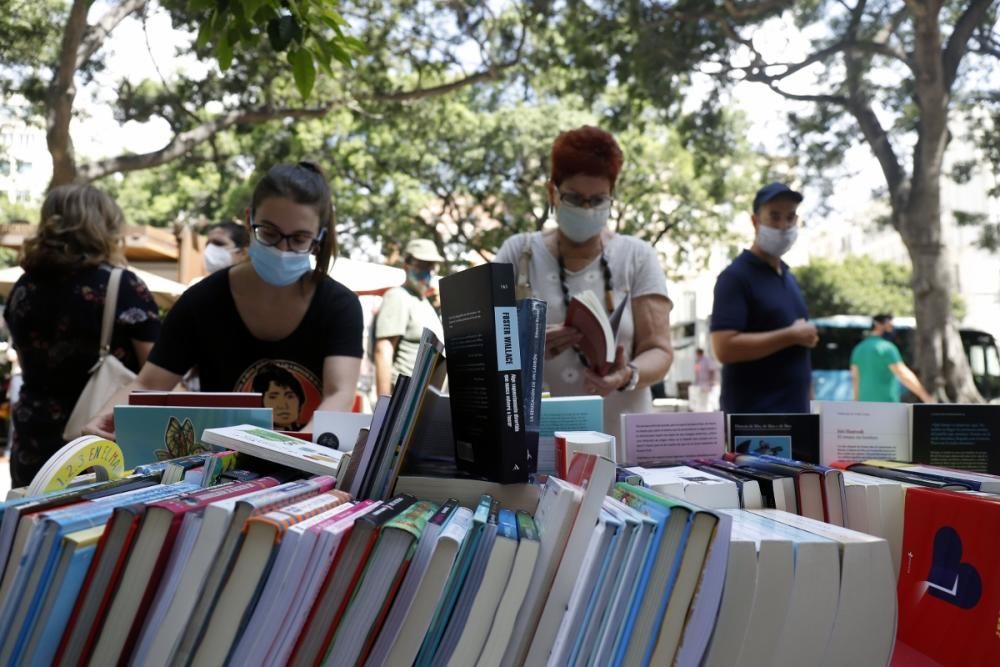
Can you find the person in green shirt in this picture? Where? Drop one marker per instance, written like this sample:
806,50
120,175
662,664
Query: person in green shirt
876,365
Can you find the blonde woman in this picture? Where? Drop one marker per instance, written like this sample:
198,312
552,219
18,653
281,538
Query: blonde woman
54,315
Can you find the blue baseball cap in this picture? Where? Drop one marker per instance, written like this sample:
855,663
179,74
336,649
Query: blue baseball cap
774,191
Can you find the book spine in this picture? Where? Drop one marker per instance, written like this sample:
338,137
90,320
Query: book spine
507,525
157,572
444,512
527,529
511,458
372,523
136,513
531,320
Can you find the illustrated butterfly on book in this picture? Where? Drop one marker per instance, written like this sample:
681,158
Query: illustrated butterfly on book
179,441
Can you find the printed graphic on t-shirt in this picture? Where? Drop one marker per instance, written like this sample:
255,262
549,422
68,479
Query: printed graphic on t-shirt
290,389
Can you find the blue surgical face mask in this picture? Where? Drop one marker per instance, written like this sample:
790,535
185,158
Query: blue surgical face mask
277,267
418,276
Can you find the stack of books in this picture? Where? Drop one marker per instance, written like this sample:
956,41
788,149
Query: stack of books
585,571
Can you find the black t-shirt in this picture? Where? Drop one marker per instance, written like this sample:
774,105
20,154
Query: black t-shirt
204,329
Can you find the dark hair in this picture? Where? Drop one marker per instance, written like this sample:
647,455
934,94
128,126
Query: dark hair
279,376
80,227
699,350
881,318
586,150
236,232
303,183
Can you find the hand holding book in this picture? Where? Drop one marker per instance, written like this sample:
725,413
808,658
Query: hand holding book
599,330
615,378
559,337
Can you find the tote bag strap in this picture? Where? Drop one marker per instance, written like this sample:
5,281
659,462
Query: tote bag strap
110,305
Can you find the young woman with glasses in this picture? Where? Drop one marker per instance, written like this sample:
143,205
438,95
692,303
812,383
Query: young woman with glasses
277,310
582,253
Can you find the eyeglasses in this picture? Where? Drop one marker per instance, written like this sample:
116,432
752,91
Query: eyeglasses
298,242
580,201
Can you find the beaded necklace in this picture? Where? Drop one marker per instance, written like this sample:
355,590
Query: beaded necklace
609,300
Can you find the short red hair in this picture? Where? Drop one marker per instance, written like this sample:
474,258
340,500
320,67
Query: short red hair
586,150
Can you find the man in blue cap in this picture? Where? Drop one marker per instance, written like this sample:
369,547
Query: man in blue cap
760,328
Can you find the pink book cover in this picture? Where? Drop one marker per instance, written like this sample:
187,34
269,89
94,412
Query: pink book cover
662,438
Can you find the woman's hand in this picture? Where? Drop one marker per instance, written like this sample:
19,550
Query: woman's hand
559,338
616,378
103,426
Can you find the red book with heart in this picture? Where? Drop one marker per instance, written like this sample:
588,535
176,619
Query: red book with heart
949,584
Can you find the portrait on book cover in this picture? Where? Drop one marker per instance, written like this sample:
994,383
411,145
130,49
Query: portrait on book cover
764,445
290,389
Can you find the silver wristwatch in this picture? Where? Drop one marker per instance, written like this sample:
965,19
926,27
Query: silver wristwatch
633,380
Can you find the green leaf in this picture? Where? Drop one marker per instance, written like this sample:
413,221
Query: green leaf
250,7
224,51
340,54
282,32
204,32
303,69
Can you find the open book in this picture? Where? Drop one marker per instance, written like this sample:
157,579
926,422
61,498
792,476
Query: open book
587,314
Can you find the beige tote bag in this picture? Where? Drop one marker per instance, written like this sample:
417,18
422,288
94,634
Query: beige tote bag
108,375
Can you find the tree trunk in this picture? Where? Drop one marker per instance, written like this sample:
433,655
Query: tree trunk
60,96
939,356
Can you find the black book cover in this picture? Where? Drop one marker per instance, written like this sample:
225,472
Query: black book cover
957,436
481,337
789,436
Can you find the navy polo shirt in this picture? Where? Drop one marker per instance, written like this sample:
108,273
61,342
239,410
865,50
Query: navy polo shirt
751,297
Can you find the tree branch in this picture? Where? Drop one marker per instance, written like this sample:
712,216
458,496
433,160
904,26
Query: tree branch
958,42
97,33
747,11
185,141
60,95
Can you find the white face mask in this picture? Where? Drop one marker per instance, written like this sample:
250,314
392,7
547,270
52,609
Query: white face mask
776,242
580,224
217,258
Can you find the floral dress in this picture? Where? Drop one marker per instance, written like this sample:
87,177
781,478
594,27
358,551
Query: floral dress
55,326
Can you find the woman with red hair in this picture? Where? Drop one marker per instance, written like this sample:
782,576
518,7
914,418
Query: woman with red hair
582,253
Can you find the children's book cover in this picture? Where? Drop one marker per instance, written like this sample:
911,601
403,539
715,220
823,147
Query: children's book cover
147,434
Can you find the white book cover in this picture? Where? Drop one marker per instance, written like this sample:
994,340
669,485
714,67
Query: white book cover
608,580
595,562
858,431
556,513
736,608
812,580
864,627
338,430
691,484
513,596
600,479
276,447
